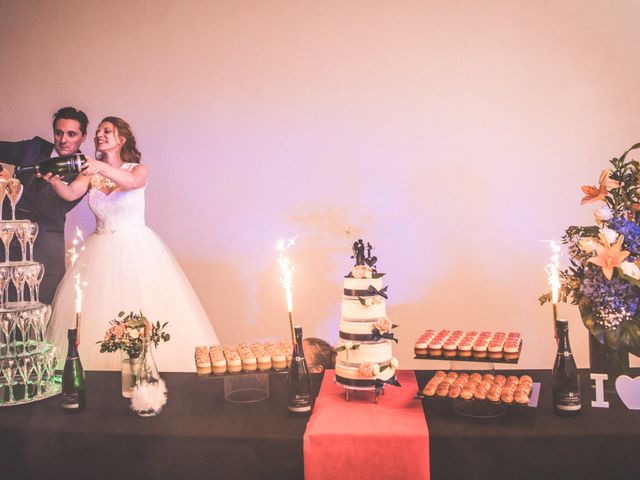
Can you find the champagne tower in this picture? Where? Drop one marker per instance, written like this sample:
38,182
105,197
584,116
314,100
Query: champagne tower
27,361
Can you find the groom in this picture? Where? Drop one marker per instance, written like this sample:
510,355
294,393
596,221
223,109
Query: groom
39,203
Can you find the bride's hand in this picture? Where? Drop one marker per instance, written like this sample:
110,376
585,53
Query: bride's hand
50,177
91,167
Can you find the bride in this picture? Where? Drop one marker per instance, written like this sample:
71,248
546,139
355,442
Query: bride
125,265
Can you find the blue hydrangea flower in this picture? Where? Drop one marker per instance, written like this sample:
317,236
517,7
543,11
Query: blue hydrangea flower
631,232
613,301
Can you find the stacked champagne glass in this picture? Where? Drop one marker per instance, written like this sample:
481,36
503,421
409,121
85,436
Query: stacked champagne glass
27,361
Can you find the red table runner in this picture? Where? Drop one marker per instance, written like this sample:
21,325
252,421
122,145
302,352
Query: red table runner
361,439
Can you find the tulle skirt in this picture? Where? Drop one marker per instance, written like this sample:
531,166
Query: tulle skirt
129,271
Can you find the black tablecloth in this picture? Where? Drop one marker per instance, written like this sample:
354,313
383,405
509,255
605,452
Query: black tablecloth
200,435
534,443
197,435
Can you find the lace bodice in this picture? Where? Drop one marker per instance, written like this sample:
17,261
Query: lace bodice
118,210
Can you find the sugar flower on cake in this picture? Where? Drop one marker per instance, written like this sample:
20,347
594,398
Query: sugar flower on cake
362,271
383,325
368,369
381,329
369,301
603,277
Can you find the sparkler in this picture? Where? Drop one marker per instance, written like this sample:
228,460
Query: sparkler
74,253
286,277
552,270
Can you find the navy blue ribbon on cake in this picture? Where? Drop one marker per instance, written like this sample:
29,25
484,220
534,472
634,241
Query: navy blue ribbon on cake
369,292
371,382
362,337
350,382
374,336
379,384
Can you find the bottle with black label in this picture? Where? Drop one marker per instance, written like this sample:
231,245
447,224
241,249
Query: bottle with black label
56,165
74,393
566,380
300,396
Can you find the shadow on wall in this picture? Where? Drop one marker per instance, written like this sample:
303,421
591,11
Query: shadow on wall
320,258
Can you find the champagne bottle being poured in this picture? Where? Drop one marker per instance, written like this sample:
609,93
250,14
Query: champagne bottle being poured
56,165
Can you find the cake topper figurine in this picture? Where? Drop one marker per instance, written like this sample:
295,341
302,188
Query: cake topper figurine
358,249
364,265
358,252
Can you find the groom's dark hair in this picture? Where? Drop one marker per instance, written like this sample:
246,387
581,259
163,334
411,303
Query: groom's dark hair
71,113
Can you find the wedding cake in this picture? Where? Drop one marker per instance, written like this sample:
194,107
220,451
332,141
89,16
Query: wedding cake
364,350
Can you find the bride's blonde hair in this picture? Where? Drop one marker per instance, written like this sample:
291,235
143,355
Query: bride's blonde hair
128,151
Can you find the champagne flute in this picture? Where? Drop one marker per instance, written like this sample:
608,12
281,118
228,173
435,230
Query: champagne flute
51,360
38,369
14,192
39,277
5,278
23,231
19,276
8,327
3,193
9,372
32,278
6,235
23,328
33,234
24,368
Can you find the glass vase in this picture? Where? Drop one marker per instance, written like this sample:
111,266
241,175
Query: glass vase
604,359
129,368
150,393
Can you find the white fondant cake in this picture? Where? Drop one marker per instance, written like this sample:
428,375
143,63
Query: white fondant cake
364,351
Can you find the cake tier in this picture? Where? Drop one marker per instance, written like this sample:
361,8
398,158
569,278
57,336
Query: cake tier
359,287
350,376
374,352
357,330
354,310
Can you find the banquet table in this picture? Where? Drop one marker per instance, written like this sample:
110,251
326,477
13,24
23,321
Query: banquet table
201,435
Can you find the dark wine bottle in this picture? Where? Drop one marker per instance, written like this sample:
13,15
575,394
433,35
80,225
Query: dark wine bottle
56,165
566,380
74,393
300,401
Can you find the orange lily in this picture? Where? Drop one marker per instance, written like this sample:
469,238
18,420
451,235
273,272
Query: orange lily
609,256
594,194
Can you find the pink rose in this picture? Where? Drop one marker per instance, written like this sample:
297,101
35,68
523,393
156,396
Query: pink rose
383,325
118,330
366,370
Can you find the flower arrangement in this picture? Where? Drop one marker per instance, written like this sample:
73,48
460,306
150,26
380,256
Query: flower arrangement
128,333
603,278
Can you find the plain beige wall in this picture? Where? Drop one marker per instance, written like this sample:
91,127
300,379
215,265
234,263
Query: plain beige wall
453,135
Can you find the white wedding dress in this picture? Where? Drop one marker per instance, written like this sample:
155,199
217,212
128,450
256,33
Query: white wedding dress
127,267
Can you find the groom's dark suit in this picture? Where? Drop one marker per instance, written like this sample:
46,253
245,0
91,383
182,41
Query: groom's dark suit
40,204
